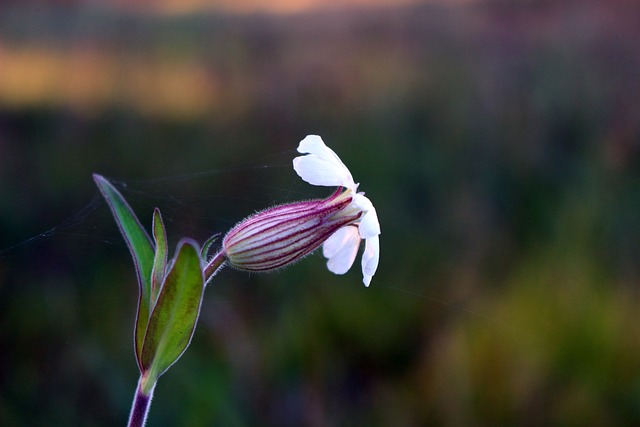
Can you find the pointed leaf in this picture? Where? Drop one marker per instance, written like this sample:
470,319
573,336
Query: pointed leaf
160,260
141,249
204,252
176,312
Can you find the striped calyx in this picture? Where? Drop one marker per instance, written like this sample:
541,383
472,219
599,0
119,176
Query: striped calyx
284,234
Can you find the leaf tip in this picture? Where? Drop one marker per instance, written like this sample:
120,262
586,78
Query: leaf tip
98,179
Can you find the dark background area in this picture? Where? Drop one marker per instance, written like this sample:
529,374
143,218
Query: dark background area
499,142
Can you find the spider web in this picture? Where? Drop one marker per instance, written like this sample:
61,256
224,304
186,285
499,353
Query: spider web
187,213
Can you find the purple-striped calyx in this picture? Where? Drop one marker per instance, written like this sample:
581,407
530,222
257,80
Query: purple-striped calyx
286,233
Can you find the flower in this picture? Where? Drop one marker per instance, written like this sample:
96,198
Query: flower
322,166
283,234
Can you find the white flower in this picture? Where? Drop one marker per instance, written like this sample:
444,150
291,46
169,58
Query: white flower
321,166
284,234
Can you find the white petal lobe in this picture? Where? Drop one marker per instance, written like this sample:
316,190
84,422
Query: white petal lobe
313,144
370,259
341,249
321,166
369,225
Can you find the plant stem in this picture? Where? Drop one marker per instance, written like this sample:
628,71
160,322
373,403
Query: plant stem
216,263
141,403
147,383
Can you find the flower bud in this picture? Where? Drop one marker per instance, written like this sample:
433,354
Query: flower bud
284,234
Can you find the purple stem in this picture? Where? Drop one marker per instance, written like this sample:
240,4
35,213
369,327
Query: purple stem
140,407
216,263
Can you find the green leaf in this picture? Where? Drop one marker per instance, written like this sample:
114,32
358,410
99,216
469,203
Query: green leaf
204,252
160,260
176,312
141,248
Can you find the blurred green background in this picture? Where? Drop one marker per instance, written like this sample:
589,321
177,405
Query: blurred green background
499,142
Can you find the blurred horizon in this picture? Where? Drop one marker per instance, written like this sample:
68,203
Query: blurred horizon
111,58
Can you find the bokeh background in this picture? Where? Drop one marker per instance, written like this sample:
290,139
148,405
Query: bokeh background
499,141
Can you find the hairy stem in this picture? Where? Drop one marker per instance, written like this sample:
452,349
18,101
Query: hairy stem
216,263
141,402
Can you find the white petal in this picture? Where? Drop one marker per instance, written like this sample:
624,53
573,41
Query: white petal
369,225
321,166
370,259
341,249
334,243
313,144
